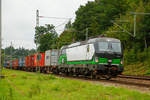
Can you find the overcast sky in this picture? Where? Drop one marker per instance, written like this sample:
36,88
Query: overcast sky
19,18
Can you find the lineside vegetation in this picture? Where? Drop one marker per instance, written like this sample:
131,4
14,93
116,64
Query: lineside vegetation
35,86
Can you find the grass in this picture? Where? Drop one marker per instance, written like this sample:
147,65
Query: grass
35,86
137,69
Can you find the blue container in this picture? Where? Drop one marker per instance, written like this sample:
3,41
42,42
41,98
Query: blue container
10,64
21,62
6,62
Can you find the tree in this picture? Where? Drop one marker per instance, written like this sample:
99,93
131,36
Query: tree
45,37
68,36
19,52
140,41
68,25
97,16
47,41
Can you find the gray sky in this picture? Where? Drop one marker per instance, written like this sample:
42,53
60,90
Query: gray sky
19,18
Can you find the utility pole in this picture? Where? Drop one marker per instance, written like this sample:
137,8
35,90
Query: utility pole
11,54
37,25
135,14
4,58
0,33
37,18
134,25
87,33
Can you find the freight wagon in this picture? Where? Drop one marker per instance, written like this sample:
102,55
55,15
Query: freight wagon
39,62
51,60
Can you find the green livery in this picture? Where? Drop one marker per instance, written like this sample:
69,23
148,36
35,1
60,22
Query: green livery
63,60
98,56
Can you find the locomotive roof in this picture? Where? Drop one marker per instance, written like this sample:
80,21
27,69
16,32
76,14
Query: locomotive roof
102,39
93,40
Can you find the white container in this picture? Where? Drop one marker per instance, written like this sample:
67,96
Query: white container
51,57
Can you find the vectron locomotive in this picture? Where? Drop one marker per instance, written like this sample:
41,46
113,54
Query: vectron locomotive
97,57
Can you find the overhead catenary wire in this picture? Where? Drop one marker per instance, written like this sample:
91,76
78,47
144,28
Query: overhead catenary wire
59,18
54,17
135,17
61,24
134,30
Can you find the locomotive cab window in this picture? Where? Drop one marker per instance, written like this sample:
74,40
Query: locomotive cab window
116,47
38,57
103,46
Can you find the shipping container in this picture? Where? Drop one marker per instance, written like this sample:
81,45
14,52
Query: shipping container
10,64
16,63
32,61
51,57
6,62
27,61
40,59
22,62
13,64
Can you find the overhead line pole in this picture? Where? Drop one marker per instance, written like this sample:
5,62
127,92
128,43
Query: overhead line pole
37,18
11,45
54,17
135,17
37,25
134,25
135,14
87,33
124,30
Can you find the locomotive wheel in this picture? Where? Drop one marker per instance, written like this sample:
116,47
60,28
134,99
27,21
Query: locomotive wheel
93,75
107,77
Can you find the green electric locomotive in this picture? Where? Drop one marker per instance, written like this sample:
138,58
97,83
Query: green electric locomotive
102,57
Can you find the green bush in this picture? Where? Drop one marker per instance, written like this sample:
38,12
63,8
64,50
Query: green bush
133,56
130,56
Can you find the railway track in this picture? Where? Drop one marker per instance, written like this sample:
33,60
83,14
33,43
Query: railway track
135,77
135,81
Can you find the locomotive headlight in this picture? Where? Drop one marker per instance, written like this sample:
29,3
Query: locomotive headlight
121,62
96,59
109,60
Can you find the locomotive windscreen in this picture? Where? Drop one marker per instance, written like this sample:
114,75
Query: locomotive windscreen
116,47
109,47
103,46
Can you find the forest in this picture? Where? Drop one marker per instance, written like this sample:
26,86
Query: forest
12,53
